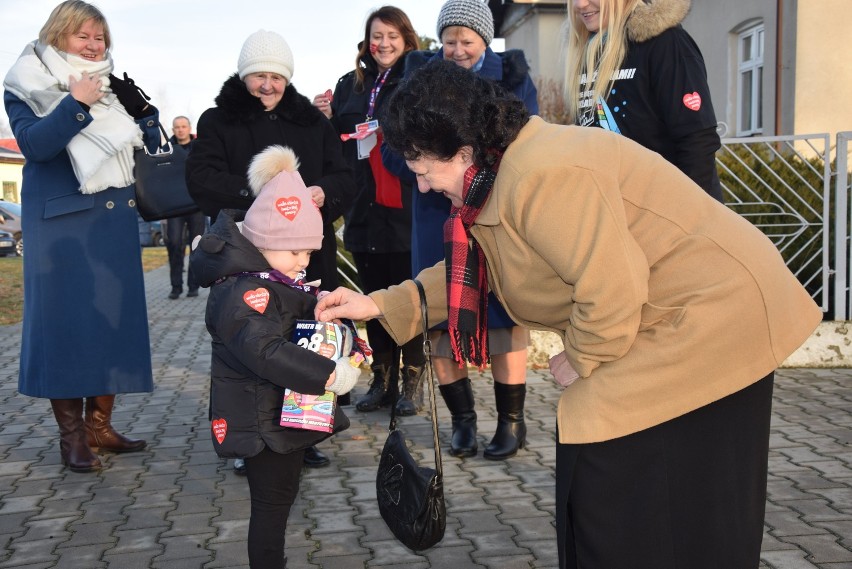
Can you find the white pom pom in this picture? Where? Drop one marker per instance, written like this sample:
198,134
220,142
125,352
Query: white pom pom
269,163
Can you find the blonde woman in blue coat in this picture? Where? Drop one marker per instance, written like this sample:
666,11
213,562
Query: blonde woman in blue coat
85,329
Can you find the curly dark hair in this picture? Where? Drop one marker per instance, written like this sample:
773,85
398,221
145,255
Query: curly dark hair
442,107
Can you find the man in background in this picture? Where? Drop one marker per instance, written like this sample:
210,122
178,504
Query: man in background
180,231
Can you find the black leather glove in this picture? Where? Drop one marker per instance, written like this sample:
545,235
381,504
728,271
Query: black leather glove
132,98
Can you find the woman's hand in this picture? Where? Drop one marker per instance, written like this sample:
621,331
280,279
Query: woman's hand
87,90
345,303
323,103
318,195
562,370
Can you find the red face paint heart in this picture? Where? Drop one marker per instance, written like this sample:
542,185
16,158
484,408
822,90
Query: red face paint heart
220,429
373,48
289,207
326,350
692,101
257,299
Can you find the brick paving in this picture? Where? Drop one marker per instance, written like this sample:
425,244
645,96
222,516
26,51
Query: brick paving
178,506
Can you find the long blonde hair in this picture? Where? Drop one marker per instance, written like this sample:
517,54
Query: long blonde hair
600,53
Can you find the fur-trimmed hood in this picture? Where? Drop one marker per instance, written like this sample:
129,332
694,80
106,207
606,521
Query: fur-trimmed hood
650,18
224,251
240,106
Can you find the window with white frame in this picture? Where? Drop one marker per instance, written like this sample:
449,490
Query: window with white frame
750,81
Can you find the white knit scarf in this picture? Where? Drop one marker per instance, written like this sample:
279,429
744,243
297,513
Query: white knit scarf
102,153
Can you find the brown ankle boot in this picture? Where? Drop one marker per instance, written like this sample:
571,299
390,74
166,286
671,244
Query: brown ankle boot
99,429
73,448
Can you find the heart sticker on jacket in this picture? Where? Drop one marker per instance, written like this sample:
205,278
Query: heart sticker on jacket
257,299
288,207
220,429
692,101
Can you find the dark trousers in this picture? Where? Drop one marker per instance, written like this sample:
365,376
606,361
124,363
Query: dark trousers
379,271
273,481
188,226
687,494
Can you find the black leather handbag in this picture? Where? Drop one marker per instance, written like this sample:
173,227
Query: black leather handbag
411,497
161,190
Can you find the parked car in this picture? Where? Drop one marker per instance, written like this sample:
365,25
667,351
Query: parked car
10,220
7,244
151,233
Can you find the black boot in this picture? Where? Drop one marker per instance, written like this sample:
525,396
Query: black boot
511,430
381,393
459,399
411,400
73,448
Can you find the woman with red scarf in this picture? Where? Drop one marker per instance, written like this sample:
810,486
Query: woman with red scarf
674,313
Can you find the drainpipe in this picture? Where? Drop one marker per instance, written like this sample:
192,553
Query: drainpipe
779,21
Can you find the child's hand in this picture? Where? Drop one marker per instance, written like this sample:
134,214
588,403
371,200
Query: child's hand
344,377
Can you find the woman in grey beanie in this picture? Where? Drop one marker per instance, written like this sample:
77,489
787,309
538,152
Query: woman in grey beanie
466,28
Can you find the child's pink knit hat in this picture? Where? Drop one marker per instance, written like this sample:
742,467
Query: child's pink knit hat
283,216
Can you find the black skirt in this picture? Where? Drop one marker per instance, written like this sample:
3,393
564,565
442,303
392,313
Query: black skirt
688,493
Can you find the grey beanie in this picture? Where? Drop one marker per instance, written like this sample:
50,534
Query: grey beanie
473,14
265,51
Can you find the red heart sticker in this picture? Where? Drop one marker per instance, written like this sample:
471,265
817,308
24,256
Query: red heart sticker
220,429
257,299
326,350
692,101
289,207
328,95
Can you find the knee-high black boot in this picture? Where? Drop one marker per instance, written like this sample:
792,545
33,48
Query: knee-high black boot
511,430
458,396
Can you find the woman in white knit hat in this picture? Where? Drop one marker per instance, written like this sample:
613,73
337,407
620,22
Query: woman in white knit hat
258,107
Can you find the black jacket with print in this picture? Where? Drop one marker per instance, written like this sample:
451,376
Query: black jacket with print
253,359
661,98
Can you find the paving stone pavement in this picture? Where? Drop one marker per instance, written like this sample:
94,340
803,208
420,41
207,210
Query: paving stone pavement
178,506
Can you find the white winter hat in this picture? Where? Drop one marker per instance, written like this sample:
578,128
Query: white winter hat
283,217
265,51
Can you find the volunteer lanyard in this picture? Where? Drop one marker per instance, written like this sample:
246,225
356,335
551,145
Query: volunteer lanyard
374,94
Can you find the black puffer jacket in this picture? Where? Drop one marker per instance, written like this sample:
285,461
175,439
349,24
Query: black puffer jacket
253,360
238,127
370,226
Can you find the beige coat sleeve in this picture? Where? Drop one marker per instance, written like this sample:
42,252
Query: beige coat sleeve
400,304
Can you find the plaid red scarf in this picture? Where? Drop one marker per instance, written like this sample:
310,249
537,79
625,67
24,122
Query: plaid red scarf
467,286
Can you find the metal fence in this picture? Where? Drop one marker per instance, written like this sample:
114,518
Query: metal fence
796,189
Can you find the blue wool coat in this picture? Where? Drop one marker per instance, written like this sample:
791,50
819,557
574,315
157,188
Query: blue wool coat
85,329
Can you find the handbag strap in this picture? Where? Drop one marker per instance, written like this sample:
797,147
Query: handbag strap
429,379
165,146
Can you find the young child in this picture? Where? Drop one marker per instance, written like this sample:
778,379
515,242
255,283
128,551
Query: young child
255,274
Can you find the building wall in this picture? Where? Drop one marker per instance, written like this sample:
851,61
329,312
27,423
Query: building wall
537,29
11,172
714,26
823,79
